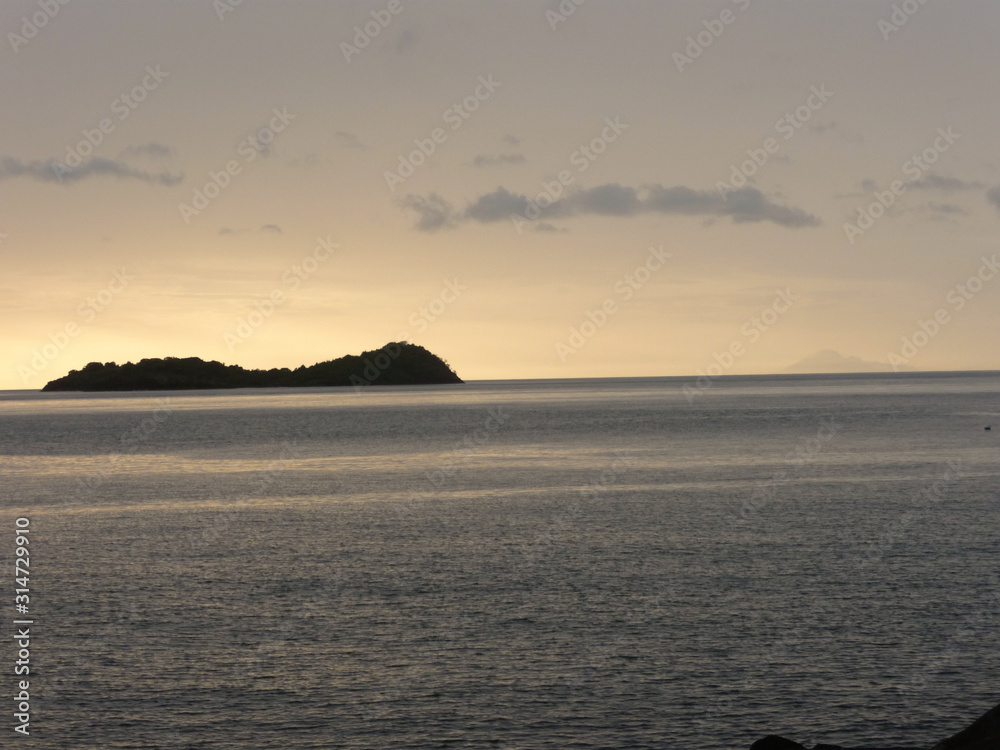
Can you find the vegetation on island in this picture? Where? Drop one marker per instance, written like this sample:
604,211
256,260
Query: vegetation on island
396,363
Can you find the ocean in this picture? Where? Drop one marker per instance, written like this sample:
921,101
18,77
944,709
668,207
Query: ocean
547,564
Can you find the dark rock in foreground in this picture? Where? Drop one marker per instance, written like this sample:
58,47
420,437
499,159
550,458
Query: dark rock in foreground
774,742
398,363
983,734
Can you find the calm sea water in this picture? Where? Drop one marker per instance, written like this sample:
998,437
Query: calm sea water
531,564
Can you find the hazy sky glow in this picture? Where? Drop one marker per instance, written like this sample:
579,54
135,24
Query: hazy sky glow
629,188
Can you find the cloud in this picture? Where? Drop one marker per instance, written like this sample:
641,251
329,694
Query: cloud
745,205
153,149
751,205
929,181
946,209
496,206
944,184
835,129
501,203
51,170
435,212
273,228
684,200
349,140
823,127
544,226
608,200
993,196
488,161
511,140
405,40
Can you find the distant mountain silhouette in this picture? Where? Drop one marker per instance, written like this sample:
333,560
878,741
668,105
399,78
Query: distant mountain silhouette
828,361
397,363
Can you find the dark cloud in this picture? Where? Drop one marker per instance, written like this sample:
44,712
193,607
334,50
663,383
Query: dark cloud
496,206
993,196
751,205
946,209
501,203
684,200
435,212
270,228
608,200
511,140
156,150
51,170
349,140
544,226
742,206
405,40
821,127
488,161
944,184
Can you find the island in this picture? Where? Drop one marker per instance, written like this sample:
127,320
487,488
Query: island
396,363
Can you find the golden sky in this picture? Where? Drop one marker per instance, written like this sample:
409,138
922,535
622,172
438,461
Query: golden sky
528,189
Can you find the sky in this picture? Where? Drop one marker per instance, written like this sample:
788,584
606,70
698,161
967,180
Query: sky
585,188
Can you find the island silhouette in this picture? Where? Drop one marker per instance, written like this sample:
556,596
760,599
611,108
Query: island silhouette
396,363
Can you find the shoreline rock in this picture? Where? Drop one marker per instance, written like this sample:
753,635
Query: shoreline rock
982,734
